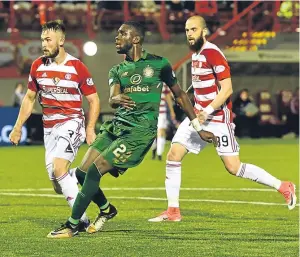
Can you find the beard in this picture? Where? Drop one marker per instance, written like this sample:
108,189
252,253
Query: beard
198,44
125,49
52,54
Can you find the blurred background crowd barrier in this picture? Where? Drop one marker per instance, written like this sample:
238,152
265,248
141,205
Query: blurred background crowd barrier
259,38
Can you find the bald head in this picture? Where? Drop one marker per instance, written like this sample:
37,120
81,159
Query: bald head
197,20
195,30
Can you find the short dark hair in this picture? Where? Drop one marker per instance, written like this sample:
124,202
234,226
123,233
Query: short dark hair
56,25
138,27
244,90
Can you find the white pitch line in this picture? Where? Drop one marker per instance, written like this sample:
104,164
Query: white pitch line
148,189
37,195
153,199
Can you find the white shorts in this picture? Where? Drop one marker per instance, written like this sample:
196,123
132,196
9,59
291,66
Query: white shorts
187,136
63,141
162,122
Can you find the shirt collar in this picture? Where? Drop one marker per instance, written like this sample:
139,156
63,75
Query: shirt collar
144,56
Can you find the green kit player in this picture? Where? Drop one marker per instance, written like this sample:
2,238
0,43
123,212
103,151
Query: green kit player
135,90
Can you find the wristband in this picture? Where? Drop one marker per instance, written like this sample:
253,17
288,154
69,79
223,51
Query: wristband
196,124
209,109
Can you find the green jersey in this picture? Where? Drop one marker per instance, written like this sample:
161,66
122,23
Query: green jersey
142,81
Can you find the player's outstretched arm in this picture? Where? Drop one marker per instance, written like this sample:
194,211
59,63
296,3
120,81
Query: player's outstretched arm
117,99
25,111
94,111
183,100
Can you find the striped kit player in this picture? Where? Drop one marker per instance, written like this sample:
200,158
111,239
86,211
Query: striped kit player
60,89
59,80
166,104
209,67
212,85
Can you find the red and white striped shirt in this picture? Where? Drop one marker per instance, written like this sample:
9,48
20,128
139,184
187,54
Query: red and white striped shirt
60,88
163,103
209,66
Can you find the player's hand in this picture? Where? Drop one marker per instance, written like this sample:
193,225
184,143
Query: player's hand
90,135
124,100
208,137
15,136
202,116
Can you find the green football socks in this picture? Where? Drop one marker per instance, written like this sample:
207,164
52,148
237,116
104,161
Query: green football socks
99,198
88,190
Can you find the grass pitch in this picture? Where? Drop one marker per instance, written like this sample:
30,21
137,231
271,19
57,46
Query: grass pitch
222,215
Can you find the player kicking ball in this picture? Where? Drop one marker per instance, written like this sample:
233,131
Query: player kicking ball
135,91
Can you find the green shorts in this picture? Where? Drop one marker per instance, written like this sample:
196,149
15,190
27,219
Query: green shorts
122,146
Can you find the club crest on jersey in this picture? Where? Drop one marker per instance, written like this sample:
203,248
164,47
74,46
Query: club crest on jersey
148,72
89,81
55,80
68,76
219,68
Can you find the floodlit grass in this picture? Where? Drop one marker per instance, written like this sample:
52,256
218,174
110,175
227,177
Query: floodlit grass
235,225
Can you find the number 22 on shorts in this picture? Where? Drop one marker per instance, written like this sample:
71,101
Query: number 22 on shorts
120,150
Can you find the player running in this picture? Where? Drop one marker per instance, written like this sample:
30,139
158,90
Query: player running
59,80
135,89
211,81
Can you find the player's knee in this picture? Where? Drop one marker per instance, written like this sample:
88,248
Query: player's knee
176,152
59,169
173,156
101,162
82,167
102,165
232,167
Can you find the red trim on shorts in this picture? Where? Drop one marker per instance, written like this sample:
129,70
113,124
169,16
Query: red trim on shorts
233,146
